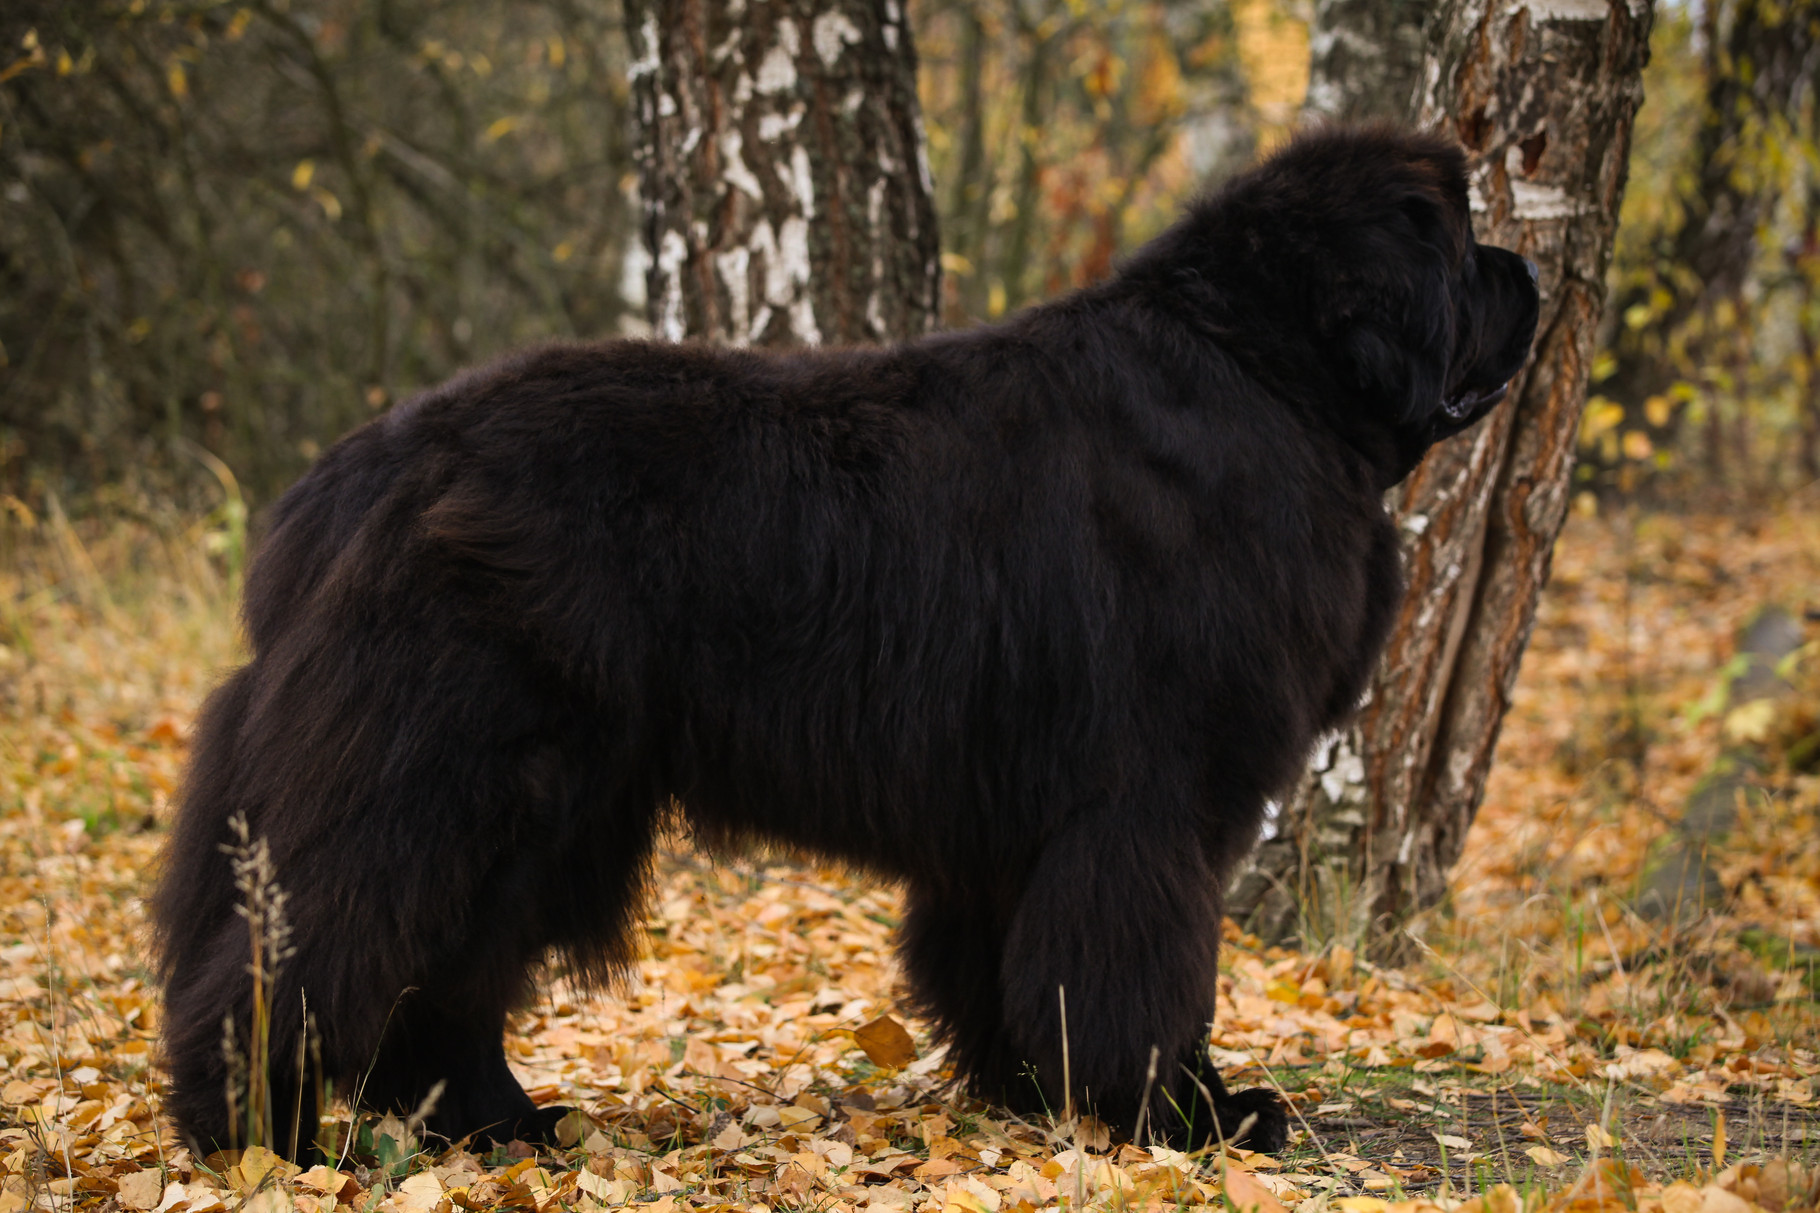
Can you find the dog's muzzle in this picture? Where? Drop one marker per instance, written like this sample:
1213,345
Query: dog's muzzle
1464,403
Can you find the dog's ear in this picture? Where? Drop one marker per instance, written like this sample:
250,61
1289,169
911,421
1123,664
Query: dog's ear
1400,343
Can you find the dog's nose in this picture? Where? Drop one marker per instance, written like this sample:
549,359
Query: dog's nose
1535,271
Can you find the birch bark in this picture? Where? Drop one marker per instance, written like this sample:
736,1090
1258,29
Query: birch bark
1365,58
785,189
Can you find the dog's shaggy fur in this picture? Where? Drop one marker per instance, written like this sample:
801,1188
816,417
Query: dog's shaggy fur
1032,618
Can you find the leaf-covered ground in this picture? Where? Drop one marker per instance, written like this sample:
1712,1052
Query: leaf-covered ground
1557,1039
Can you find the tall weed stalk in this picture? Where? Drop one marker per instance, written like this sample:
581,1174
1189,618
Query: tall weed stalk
262,905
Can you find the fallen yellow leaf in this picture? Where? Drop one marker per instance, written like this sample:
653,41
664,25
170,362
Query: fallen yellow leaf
420,1192
885,1043
1244,1192
141,1190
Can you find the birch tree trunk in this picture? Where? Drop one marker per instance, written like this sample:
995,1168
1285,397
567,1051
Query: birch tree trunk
785,189
1365,58
1542,93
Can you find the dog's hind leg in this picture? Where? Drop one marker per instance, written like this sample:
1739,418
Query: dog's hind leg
414,782
575,886
1118,932
950,943
442,1057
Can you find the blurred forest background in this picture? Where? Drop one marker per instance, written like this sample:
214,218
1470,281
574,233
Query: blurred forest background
238,229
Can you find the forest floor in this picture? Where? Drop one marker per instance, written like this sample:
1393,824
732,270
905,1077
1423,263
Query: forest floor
1557,1047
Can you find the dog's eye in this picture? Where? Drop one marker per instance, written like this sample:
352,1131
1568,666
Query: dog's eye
1422,214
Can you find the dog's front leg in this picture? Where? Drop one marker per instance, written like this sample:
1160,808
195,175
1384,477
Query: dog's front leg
1117,935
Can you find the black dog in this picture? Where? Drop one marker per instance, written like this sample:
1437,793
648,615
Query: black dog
1032,618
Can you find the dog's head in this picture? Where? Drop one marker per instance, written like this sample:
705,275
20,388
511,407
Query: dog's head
1362,239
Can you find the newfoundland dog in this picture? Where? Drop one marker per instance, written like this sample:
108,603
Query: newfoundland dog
1032,618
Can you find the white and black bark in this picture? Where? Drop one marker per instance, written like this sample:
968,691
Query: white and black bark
1543,95
786,193
1365,59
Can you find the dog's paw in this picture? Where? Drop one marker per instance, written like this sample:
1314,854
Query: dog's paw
535,1128
539,1128
1254,1120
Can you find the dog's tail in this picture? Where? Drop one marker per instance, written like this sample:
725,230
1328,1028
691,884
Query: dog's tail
201,942
314,526
309,528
